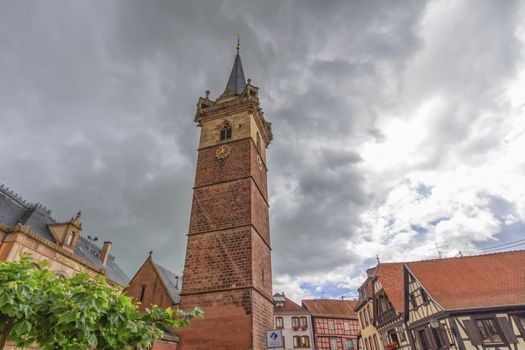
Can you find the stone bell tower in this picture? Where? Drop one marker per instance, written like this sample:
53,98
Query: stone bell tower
228,271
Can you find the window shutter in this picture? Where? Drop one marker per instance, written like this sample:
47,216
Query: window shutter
430,338
443,335
472,332
507,330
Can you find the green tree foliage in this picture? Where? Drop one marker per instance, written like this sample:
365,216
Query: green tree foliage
37,306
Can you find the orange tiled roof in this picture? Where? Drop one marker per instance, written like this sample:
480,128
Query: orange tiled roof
390,276
331,308
474,281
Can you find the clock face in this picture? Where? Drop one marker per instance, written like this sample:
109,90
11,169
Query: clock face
222,152
259,162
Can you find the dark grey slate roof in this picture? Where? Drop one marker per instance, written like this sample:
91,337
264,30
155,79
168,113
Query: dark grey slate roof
14,210
172,281
236,82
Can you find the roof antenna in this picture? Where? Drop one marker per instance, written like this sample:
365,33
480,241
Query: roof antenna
238,47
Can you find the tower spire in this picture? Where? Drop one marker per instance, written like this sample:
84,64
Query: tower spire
236,82
238,47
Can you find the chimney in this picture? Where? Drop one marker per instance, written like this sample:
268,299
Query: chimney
104,253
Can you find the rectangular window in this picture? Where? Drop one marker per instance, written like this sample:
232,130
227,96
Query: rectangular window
304,322
424,296
333,343
489,331
305,341
370,313
331,324
279,323
347,326
295,322
367,319
296,341
413,300
349,344
376,342
361,319
142,291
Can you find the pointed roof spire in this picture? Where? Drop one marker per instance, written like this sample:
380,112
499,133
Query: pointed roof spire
236,82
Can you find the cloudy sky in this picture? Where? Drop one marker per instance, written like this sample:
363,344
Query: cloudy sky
398,125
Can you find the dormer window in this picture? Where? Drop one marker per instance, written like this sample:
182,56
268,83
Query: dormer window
226,131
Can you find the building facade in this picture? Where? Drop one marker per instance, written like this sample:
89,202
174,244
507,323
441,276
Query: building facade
335,325
462,303
28,228
156,285
389,306
227,270
467,303
294,321
368,338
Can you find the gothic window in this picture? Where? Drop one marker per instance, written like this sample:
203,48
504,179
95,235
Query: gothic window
226,131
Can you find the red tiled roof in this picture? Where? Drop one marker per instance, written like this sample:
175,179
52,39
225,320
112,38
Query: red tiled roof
331,308
288,307
474,281
390,276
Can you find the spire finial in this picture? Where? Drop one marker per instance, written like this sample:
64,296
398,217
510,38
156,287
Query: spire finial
238,47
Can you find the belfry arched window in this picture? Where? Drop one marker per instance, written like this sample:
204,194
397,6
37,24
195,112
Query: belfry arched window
226,131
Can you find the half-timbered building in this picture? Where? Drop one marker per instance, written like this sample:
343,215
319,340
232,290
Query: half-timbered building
368,337
335,323
464,303
389,306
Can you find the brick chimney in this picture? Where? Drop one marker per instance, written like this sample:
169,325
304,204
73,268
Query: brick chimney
104,253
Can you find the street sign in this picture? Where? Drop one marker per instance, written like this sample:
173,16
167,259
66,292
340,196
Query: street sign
274,339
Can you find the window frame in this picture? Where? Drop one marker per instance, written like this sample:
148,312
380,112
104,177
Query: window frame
332,340
489,321
225,131
279,319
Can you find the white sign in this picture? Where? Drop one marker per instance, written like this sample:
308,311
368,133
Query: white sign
274,339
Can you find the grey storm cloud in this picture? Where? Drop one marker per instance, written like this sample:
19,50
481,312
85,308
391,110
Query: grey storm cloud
97,102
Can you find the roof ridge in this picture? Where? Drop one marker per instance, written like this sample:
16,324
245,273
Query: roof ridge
22,201
465,256
162,267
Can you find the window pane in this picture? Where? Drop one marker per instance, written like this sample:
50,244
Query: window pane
333,343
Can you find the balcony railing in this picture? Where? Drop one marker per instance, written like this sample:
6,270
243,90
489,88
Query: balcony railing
386,317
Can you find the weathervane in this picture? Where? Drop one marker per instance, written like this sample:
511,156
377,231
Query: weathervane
238,47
